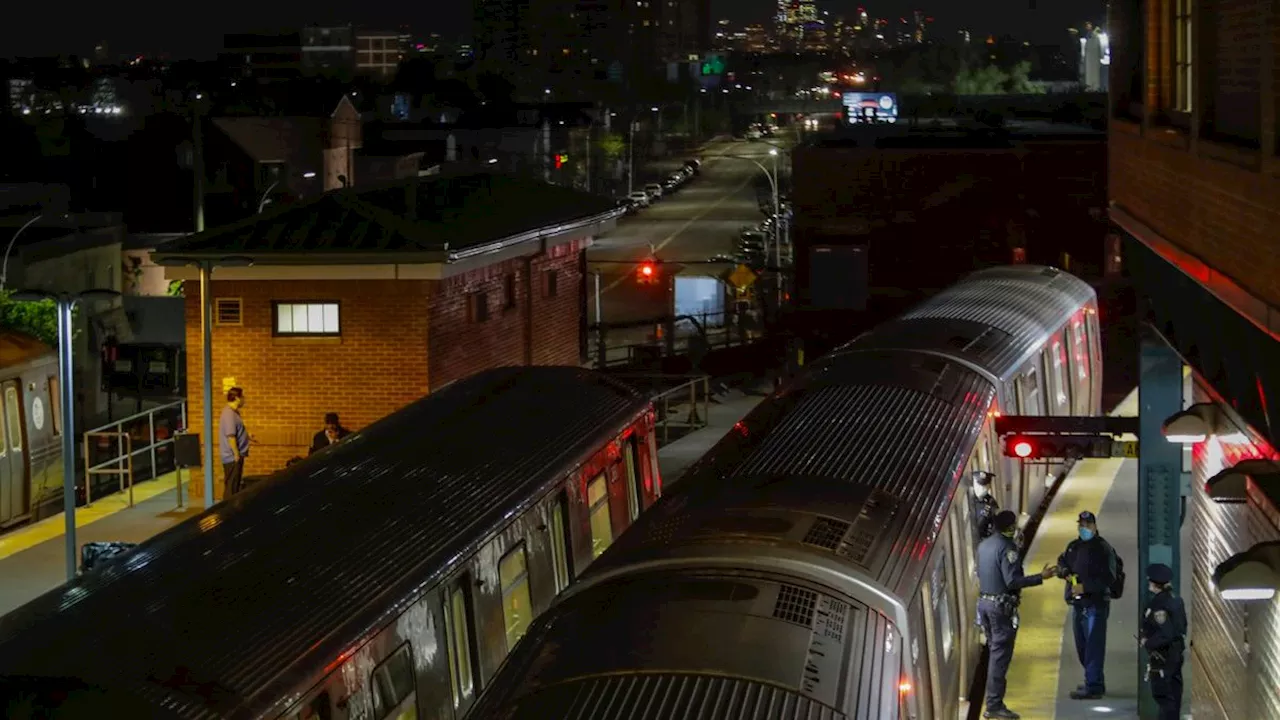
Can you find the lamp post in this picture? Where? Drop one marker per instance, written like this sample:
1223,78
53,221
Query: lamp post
4,269
66,303
205,266
631,143
266,197
772,177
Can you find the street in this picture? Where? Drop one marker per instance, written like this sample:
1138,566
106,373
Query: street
701,220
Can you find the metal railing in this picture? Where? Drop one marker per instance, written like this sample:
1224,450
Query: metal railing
681,402
139,446
643,341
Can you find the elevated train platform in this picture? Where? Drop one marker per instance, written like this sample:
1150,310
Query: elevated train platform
1045,668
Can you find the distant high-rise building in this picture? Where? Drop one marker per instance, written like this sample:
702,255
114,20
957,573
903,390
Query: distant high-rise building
378,53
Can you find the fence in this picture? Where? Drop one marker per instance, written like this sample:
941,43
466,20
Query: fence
681,402
643,342
132,449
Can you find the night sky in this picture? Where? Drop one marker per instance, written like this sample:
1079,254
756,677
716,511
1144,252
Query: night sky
194,29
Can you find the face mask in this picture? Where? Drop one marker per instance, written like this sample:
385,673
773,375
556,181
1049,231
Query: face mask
1086,534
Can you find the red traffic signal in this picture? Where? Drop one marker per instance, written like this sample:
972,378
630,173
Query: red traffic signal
1044,447
1022,448
647,273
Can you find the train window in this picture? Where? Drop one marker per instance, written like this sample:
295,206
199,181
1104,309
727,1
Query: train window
393,686
458,627
1080,344
560,544
942,605
517,606
633,471
601,525
1060,380
55,405
13,415
1029,399
653,464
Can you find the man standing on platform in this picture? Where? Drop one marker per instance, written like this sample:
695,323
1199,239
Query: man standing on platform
235,443
987,507
1000,584
1094,575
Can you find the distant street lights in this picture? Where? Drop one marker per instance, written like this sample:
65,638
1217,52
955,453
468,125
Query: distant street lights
206,266
66,303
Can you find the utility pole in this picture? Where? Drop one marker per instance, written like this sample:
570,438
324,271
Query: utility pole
197,165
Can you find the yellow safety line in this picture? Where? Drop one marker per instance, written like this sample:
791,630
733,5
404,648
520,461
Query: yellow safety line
1033,676
54,527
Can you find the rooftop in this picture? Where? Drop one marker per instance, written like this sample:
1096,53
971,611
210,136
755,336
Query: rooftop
431,219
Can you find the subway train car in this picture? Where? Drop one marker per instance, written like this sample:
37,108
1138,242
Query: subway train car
819,561
30,428
386,577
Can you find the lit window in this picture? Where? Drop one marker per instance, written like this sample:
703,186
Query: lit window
393,686
1182,56
560,545
307,319
1060,373
942,606
1081,344
55,404
633,480
601,525
13,414
459,644
517,606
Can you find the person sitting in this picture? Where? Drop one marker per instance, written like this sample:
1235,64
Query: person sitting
330,435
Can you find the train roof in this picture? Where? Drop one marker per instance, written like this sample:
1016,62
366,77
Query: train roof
866,449
201,619
994,318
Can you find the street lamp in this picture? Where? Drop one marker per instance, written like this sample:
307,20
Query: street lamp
66,302
266,196
206,265
772,177
4,269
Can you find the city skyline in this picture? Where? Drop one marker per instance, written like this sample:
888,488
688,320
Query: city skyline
152,28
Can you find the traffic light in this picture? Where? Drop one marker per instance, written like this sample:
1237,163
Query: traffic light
561,159
647,273
1044,447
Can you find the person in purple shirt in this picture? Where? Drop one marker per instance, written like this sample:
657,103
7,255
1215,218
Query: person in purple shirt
234,442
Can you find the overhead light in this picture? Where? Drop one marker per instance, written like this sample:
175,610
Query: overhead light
1250,575
493,161
308,175
1193,425
1232,484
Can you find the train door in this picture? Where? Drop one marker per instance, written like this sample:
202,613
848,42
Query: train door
1081,377
13,461
1029,403
1095,356
1059,381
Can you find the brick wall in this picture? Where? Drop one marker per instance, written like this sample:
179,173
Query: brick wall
461,345
290,383
1224,213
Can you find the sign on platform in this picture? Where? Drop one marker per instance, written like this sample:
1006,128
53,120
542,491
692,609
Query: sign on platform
228,383
742,277
1125,449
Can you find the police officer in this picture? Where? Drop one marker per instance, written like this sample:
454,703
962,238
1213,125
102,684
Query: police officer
1090,566
987,507
1164,629
1000,582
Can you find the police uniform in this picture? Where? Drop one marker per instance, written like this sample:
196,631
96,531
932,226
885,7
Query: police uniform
1092,564
1164,629
986,506
1000,581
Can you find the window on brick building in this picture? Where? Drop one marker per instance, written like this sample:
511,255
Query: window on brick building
306,319
549,283
478,306
1182,48
509,291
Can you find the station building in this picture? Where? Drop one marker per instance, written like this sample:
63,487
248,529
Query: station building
1195,200
363,300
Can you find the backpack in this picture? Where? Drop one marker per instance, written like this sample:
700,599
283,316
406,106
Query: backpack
1117,585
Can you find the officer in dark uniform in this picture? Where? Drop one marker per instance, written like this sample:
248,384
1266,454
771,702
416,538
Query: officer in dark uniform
1000,582
987,507
1090,566
1164,630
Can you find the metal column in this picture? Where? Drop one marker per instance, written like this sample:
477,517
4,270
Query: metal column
67,371
1159,477
206,323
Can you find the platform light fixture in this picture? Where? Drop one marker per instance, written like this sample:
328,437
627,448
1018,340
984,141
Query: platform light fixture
1251,575
1231,485
1193,425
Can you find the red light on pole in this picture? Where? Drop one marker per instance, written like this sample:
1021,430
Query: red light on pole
647,274
1023,448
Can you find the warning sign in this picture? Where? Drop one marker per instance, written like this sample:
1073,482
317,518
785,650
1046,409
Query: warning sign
742,277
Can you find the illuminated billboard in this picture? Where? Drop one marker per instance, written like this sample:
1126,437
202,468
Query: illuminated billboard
870,107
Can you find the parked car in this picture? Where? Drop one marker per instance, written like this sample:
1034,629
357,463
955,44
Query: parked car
640,198
654,190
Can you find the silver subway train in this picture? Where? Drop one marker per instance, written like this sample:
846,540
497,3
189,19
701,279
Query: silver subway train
819,562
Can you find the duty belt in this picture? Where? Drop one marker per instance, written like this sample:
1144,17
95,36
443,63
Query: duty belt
1008,600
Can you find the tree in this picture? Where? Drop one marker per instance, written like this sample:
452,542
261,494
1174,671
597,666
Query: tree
985,80
37,319
1020,80
612,145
